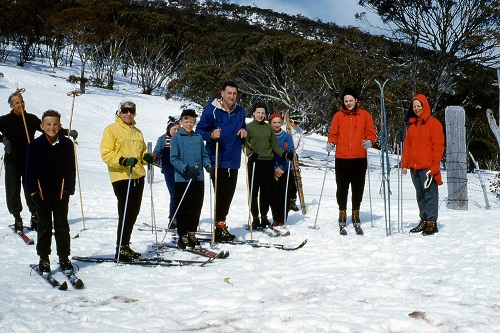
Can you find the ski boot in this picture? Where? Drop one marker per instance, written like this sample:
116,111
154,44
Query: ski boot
18,223
430,228
420,227
44,265
264,222
221,233
342,222
183,242
192,240
356,222
293,205
255,223
65,265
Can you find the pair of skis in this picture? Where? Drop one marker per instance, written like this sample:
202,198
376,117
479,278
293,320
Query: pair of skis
146,261
70,275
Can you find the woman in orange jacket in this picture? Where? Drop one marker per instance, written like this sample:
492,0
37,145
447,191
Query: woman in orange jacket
351,133
422,153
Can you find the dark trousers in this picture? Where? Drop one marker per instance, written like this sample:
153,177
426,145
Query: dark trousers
169,173
14,176
279,190
188,215
57,209
262,185
120,188
226,185
350,172
427,198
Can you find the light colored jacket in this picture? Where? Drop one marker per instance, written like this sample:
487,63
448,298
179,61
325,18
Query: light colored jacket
122,140
188,150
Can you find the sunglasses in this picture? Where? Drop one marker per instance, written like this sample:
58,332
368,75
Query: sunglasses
127,110
297,122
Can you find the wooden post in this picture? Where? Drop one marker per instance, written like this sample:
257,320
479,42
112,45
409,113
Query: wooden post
456,158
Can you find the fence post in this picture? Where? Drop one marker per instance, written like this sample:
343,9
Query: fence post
456,158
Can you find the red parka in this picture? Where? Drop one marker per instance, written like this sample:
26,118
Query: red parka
424,142
349,129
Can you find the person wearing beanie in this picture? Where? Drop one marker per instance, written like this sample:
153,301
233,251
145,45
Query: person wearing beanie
262,144
422,154
124,151
223,127
161,154
352,132
189,158
282,173
298,142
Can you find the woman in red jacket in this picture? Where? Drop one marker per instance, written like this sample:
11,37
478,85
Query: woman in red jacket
422,153
352,132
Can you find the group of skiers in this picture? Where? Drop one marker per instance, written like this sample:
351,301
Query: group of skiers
46,166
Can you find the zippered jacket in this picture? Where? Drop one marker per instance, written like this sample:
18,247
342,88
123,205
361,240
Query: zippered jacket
188,150
424,142
122,140
348,130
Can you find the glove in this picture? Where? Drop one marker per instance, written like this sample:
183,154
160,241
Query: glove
73,134
129,162
149,158
37,200
7,145
253,156
330,146
191,172
428,181
288,155
367,144
208,169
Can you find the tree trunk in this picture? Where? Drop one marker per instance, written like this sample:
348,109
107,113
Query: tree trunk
456,158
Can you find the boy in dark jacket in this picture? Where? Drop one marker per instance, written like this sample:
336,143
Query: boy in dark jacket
50,180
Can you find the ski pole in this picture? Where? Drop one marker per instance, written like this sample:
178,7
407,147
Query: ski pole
153,218
321,194
250,198
369,189
215,190
124,215
179,205
285,217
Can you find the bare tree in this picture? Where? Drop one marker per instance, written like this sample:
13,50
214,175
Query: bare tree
456,31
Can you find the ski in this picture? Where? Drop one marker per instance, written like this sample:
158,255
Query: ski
256,243
197,250
271,231
146,261
173,231
73,279
23,236
49,278
296,168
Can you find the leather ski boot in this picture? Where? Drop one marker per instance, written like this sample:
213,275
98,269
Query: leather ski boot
342,222
430,228
356,222
420,227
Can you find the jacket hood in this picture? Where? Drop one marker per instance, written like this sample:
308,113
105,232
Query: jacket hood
425,105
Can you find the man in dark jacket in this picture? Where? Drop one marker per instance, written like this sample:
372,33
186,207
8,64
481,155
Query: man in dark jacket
18,129
50,180
222,126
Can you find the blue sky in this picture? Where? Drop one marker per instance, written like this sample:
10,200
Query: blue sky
340,12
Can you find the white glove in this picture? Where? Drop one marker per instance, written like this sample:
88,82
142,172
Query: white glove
367,143
428,181
330,146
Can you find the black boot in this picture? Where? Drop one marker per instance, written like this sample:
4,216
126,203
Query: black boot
293,205
430,228
65,265
356,222
192,240
183,242
256,223
342,222
264,222
44,265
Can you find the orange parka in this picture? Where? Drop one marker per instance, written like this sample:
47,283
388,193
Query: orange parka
348,130
424,142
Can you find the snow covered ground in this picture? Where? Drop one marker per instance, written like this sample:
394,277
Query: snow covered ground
447,282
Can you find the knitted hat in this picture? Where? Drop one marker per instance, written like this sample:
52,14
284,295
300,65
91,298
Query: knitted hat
171,122
275,115
188,113
349,91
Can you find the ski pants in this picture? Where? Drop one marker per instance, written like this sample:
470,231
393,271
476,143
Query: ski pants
262,186
427,198
14,177
169,173
121,188
226,185
188,214
278,206
350,172
58,209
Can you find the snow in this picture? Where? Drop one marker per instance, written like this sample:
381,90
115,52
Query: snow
373,283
